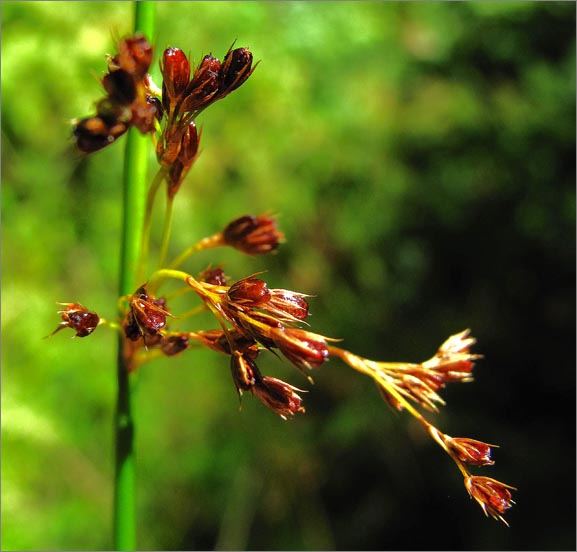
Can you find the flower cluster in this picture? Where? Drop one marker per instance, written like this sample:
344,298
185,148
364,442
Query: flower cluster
130,100
261,318
184,98
252,316
403,384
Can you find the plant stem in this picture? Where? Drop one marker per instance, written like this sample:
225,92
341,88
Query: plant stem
136,161
216,240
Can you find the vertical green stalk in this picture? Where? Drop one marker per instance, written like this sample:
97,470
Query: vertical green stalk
135,165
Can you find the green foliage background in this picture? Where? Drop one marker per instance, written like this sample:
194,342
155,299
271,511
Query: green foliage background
422,159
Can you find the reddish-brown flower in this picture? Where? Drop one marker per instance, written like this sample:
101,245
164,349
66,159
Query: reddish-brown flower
304,349
253,235
147,315
249,292
174,344
203,87
215,276
95,133
245,373
288,305
79,318
236,69
187,154
120,86
175,70
470,451
453,361
278,396
134,56
492,495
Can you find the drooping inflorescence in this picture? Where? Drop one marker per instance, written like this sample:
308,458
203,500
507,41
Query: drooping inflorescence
251,317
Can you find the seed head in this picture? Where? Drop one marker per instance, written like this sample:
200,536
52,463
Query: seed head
492,495
175,70
253,235
236,69
249,292
79,318
146,317
279,396
470,451
203,88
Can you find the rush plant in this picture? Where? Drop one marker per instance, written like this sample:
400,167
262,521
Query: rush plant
250,318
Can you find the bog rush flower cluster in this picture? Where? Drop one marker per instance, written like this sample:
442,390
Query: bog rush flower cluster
251,317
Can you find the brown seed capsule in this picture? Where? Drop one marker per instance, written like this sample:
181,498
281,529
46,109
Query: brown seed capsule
203,87
79,318
279,396
144,116
120,86
236,69
213,276
175,70
244,372
493,496
134,56
174,344
186,157
288,304
304,349
95,133
249,292
470,451
147,312
253,235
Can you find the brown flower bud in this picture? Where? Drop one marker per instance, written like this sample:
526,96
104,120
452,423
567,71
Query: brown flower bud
249,292
470,451
174,344
95,133
492,495
288,304
148,314
215,276
203,87
304,349
244,372
175,70
168,148
120,86
253,235
78,318
278,396
236,69
186,157
134,56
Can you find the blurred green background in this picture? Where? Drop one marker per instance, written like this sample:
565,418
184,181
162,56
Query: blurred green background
422,159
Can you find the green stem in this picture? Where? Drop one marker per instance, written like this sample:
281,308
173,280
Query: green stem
206,243
136,161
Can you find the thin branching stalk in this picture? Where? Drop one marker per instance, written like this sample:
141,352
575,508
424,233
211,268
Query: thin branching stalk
145,240
166,231
135,170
